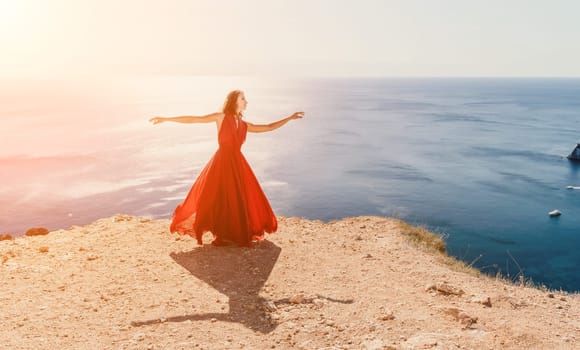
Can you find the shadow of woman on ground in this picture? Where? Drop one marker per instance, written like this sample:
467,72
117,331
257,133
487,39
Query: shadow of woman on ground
240,274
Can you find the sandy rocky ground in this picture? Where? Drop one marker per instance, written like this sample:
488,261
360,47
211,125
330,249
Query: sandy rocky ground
126,283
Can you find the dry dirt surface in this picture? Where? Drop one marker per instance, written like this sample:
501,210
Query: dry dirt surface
357,283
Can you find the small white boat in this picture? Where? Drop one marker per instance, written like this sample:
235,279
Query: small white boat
555,212
573,187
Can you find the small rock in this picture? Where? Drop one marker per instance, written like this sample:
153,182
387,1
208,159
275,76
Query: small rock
37,231
7,256
483,300
466,320
297,299
388,316
120,217
445,288
270,306
461,316
5,237
43,249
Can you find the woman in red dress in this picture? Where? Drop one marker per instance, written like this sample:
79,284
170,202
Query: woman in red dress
226,199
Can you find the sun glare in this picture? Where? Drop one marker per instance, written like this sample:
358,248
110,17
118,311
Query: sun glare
26,29
10,13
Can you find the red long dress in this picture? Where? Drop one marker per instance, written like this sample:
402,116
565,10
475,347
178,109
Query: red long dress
226,199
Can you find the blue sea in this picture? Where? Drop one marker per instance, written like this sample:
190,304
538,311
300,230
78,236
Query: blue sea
480,161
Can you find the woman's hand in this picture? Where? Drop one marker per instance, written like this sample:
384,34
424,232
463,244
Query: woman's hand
157,120
297,115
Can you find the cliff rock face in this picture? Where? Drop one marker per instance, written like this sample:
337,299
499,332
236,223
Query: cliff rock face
358,283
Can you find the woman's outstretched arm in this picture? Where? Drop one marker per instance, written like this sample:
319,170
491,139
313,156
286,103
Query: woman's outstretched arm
188,119
274,125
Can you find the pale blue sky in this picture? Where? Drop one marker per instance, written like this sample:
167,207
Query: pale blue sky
298,37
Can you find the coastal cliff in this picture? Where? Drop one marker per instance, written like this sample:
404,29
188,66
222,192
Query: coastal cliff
358,283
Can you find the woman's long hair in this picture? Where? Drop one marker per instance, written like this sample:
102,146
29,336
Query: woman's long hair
230,104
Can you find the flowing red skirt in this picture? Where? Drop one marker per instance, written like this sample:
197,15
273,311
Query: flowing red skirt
226,200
